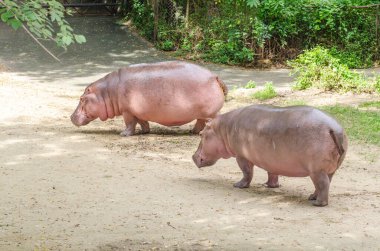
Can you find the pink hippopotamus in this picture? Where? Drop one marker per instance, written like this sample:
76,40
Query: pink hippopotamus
295,141
169,93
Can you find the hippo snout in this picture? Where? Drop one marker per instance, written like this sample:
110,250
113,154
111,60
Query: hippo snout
195,159
73,120
202,162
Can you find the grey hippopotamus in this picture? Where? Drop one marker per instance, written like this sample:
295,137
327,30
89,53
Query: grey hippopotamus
295,141
169,93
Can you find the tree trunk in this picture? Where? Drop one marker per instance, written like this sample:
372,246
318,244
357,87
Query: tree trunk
187,14
155,11
377,31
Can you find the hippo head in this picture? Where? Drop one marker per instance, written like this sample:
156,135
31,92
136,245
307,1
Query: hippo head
89,108
211,148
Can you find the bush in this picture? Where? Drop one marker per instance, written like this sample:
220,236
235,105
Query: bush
242,33
352,58
319,68
250,85
167,45
267,93
142,17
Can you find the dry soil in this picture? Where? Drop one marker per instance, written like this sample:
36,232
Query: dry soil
68,188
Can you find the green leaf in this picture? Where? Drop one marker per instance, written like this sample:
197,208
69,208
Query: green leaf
5,16
47,33
54,17
15,23
253,3
67,40
80,39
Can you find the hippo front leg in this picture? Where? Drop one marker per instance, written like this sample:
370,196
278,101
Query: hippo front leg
321,182
130,124
247,169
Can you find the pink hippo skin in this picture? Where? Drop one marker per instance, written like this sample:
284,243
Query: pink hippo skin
294,141
169,93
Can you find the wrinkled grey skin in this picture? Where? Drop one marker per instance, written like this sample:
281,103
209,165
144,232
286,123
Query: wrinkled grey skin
169,93
294,141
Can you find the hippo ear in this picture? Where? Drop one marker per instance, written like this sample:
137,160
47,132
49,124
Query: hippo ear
208,122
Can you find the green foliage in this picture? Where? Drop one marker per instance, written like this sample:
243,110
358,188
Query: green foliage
318,68
371,104
250,85
351,58
167,45
377,83
242,32
40,20
142,17
363,126
267,93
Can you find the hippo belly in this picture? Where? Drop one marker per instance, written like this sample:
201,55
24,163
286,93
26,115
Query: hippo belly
169,93
295,141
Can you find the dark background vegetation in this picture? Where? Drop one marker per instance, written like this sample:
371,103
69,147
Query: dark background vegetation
261,33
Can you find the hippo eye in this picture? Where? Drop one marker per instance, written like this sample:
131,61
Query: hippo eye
83,100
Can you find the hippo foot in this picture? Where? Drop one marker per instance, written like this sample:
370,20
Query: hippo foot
126,133
242,184
195,131
144,132
271,185
312,197
319,203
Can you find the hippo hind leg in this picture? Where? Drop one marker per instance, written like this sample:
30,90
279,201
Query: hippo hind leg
247,169
144,126
321,182
199,125
272,181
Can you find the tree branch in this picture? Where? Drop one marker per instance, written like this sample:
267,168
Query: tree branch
39,43
29,33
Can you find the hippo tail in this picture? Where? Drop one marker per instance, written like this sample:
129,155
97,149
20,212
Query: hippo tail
339,143
223,86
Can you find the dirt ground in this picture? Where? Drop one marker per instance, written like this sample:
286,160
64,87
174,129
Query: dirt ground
68,188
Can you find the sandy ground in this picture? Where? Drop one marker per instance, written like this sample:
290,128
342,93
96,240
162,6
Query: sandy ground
68,188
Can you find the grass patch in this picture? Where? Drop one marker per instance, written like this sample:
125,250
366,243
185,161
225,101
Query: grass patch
362,126
294,102
250,85
375,104
267,93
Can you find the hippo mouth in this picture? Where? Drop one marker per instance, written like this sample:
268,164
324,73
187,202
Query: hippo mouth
202,162
79,120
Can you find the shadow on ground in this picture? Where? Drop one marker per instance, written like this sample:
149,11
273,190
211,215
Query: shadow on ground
109,46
